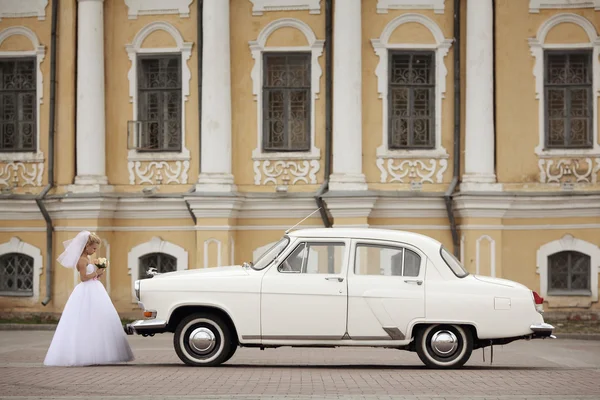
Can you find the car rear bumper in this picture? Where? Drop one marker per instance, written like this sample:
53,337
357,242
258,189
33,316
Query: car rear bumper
146,327
542,330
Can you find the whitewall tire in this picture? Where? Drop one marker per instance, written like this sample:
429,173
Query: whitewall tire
444,346
202,340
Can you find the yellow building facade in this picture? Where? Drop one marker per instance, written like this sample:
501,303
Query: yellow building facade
192,134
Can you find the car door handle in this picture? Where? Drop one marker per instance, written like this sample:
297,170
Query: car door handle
417,281
334,278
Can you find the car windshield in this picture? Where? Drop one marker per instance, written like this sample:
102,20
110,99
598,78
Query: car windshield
268,256
453,263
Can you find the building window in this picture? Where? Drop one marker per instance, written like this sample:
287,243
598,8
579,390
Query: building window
569,273
160,261
160,103
16,274
569,102
411,100
286,101
18,105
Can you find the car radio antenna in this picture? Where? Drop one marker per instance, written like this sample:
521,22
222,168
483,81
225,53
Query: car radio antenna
305,218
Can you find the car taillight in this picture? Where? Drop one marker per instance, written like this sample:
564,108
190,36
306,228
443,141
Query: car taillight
539,302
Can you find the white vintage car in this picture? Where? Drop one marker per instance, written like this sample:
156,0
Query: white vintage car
340,287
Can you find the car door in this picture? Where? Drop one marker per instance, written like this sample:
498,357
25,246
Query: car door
304,297
386,289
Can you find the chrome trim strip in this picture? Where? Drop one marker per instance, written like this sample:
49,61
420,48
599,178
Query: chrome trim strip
395,333
329,338
542,328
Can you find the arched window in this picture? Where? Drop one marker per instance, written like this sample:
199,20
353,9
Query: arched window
160,261
16,274
569,272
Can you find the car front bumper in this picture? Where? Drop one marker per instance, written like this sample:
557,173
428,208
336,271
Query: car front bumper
146,327
542,331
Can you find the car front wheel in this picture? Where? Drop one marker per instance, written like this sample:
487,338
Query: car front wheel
202,340
444,346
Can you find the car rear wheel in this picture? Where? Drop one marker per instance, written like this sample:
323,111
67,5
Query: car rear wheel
203,340
444,346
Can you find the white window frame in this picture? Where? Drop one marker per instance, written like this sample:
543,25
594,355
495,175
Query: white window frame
39,53
568,243
537,47
383,6
536,5
185,49
382,48
154,245
257,48
261,6
16,245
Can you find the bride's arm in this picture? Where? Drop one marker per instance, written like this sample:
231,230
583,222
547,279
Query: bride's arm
81,267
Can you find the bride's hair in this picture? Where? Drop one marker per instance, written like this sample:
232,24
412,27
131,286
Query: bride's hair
93,239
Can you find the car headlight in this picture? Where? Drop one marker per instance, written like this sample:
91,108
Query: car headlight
136,287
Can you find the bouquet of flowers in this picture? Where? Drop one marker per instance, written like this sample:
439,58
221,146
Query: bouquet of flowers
101,263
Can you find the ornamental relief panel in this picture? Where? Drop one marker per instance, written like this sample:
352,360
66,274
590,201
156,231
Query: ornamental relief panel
20,174
158,172
411,170
574,170
281,172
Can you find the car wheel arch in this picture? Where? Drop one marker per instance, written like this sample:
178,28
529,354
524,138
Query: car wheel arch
180,312
414,329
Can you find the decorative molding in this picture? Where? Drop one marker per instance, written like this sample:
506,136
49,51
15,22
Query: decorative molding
158,172
382,47
16,245
383,6
403,171
578,170
154,245
537,46
219,245
21,174
536,5
39,52
462,248
286,172
567,243
181,47
257,48
23,9
158,7
261,6
492,255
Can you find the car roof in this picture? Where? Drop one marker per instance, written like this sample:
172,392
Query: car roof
367,233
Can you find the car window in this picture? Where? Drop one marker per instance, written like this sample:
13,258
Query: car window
314,258
268,256
452,262
372,259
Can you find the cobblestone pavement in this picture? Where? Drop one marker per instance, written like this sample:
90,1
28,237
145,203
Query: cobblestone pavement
549,369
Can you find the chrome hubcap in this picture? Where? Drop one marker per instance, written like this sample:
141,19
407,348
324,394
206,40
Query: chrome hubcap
444,343
202,340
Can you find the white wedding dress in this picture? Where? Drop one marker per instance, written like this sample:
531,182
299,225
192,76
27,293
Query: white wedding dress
89,331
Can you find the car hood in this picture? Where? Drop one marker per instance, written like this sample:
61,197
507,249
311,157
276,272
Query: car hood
235,270
499,281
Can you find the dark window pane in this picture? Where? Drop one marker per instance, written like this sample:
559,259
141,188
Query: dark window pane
569,271
568,97
160,103
160,261
411,97
18,105
16,274
286,102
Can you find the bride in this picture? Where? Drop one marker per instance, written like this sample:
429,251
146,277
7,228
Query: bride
89,331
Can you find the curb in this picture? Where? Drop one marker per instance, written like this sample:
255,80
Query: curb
51,327
27,327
